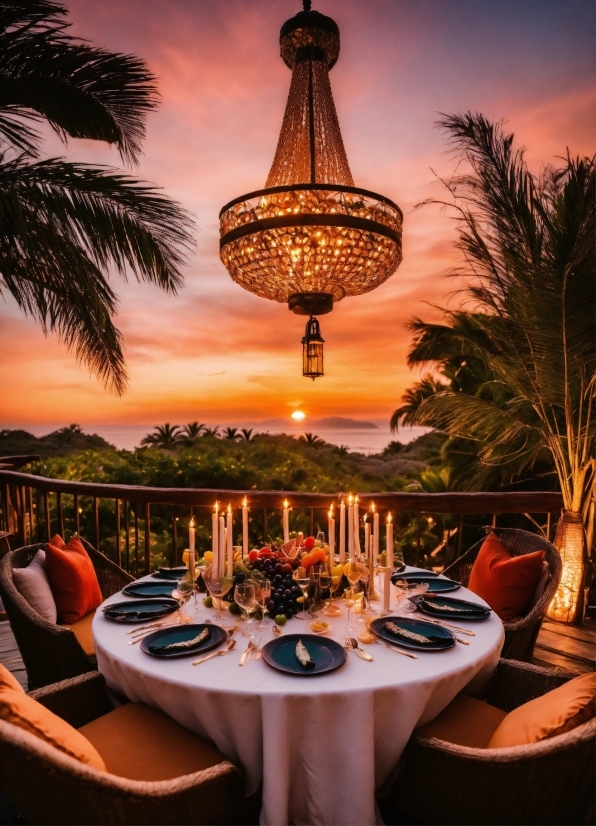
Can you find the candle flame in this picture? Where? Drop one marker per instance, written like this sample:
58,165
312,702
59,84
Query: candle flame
244,502
350,499
372,508
192,522
216,510
330,514
356,500
389,517
285,503
229,507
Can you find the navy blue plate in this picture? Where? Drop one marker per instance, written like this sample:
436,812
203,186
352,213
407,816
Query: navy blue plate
139,610
326,654
436,584
171,574
440,638
155,644
148,589
449,608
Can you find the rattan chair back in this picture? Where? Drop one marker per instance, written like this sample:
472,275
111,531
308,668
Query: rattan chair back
50,652
521,634
548,782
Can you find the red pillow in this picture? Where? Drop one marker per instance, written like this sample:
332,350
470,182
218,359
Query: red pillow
72,579
505,582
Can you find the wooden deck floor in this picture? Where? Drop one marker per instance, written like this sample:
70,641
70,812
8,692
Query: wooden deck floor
569,648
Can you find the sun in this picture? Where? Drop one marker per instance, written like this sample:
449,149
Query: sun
298,415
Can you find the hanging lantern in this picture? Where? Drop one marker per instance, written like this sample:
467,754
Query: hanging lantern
569,541
310,238
312,350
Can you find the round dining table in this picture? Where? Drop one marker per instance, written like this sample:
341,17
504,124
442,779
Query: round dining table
320,746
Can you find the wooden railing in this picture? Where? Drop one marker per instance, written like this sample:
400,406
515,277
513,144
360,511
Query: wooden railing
142,526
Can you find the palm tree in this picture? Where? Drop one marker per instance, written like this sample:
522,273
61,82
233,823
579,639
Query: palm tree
246,435
166,437
63,225
231,433
528,245
311,440
191,432
211,432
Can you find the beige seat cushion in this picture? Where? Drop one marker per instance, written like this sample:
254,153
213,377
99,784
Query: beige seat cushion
23,711
465,722
141,743
555,712
82,631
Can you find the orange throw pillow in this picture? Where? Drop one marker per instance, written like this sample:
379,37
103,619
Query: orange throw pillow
556,712
507,583
26,713
72,579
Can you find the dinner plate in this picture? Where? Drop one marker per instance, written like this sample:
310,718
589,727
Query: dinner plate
156,644
171,574
450,608
148,589
436,584
326,654
139,610
440,638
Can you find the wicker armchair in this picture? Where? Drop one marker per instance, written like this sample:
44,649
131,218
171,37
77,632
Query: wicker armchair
48,786
549,782
51,652
520,635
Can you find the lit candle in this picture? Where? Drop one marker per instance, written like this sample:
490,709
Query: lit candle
215,538
366,536
191,547
286,521
375,533
222,546
357,549
342,532
244,528
331,536
230,542
351,550
389,568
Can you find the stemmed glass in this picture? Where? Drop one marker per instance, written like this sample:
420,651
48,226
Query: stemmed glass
302,579
406,590
263,595
331,610
323,578
245,595
218,586
350,600
182,593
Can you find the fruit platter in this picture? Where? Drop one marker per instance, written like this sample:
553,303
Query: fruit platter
277,563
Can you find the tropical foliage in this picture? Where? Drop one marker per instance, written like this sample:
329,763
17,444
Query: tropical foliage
520,364
64,226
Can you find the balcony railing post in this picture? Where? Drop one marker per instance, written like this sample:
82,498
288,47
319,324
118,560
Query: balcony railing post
127,530
175,538
147,539
77,515
136,513
96,520
46,503
265,531
118,548
60,514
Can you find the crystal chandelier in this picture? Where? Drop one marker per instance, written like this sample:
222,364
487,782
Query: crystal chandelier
310,238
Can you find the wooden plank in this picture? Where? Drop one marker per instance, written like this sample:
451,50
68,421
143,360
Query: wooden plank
566,645
558,659
586,632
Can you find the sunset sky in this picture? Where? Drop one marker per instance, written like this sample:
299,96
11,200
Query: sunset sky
215,352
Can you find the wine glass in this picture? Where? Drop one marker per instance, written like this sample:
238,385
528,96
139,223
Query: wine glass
302,579
183,593
323,575
407,590
218,586
331,610
263,595
245,595
350,600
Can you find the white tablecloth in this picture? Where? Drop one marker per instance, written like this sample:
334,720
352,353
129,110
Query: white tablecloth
319,746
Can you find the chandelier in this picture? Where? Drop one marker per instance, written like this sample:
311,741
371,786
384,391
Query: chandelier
310,238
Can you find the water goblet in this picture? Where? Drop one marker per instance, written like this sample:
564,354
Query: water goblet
245,595
331,610
350,600
302,579
183,592
406,590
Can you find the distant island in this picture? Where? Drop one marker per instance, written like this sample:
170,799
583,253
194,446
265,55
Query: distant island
328,423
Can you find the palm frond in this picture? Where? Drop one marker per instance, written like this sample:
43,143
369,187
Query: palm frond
82,91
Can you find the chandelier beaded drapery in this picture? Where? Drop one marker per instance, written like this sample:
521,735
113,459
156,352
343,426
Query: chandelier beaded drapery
310,238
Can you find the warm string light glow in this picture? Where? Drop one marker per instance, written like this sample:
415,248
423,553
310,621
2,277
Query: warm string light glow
569,541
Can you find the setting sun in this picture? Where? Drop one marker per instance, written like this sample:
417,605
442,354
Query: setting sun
298,415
